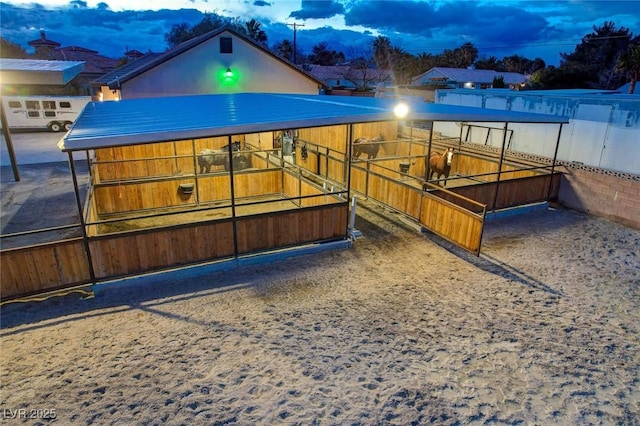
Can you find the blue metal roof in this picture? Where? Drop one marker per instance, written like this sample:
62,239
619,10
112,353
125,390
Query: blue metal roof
138,121
39,71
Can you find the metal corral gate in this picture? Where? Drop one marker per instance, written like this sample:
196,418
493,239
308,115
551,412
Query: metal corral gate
459,220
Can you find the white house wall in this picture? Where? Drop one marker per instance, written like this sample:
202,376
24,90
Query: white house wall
603,131
200,70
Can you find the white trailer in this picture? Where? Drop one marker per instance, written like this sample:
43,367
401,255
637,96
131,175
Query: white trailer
53,113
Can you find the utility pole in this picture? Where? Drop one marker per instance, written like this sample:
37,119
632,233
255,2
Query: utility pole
295,29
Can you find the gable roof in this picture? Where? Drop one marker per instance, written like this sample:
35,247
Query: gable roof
149,120
461,75
139,67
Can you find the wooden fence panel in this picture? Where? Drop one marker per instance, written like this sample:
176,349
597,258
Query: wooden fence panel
333,137
215,187
512,192
395,194
139,252
259,183
147,160
452,222
140,195
44,267
289,228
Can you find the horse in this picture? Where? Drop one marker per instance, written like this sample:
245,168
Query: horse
369,146
439,164
216,157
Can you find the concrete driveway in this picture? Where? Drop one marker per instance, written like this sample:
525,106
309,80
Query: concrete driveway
33,148
44,197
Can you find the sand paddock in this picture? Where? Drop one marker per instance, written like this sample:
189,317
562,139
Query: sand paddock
543,328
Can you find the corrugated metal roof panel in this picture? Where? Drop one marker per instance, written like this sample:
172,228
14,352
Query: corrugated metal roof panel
138,121
38,71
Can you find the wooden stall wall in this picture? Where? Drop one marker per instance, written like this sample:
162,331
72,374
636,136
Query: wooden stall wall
141,161
140,195
297,186
514,192
293,227
452,222
385,186
50,266
326,151
138,252
387,129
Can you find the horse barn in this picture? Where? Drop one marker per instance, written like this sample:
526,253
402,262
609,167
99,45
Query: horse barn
203,180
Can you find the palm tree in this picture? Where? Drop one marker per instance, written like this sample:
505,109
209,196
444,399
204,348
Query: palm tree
254,31
285,49
381,52
629,63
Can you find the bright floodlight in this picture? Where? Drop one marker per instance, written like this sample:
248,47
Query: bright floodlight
401,110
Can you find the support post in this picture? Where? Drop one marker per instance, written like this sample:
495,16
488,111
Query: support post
83,223
9,141
553,165
504,141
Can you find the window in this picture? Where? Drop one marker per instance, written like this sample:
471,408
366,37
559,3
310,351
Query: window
33,114
15,104
65,104
49,113
226,45
33,104
49,104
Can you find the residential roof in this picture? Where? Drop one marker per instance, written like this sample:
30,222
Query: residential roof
122,75
328,72
37,71
126,71
470,75
148,120
94,62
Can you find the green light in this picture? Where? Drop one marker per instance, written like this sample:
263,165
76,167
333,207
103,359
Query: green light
228,77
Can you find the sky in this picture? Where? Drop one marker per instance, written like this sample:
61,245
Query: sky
529,28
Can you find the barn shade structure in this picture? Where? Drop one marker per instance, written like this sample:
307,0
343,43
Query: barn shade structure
184,181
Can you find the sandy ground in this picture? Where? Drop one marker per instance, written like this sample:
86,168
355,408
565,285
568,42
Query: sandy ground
543,328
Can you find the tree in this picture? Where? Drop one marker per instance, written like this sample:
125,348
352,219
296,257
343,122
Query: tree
284,49
629,63
516,63
460,57
498,82
382,52
490,63
254,31
323,56
180,33
9,49
595,59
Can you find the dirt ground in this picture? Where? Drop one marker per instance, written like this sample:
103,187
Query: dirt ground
403,328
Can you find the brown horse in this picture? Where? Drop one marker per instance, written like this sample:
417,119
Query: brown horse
440,164
369,146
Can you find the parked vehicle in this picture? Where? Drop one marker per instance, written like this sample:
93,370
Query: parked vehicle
53,113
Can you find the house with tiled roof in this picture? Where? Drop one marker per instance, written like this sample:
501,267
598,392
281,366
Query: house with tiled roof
220,61
465,78
95,64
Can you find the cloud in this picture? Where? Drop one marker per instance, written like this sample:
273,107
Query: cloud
318,9
529,28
